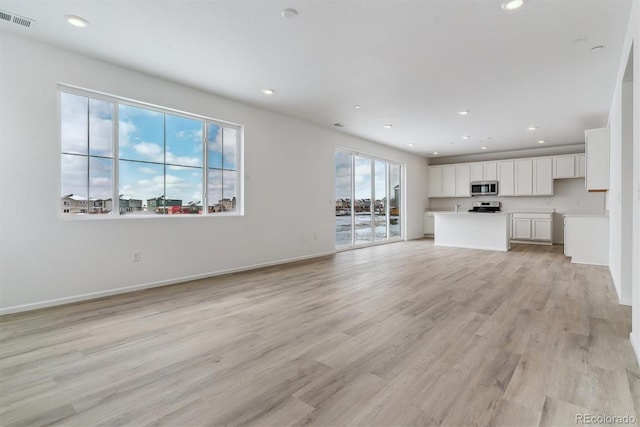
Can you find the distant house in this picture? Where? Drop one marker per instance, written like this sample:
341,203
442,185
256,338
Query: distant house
73,204
164,205
126,204
363,205
223,205
192,208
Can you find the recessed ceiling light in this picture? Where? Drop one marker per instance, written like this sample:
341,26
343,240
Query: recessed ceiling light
435,153
512,4
76,21
290,13
338,125
484,148
463,112
388,126
541,141
597,48
357,106
411,144
465,137
532,128
268,91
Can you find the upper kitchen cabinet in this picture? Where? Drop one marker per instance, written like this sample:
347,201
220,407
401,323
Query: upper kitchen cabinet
441,181
596,143
524,177
569,166
506,178
463,180
543,176
485,171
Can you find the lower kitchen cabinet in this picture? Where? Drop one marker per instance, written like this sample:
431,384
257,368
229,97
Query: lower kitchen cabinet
429,225
532,227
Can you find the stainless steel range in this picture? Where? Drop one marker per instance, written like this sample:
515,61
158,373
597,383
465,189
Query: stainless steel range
485,207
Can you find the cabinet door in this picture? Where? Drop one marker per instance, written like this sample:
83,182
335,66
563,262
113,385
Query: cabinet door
429,224
579,161
542,177
521,229
524,177
434,184
564,167
463,181
506,178
449,181
490,171
541,229
597,159
476,172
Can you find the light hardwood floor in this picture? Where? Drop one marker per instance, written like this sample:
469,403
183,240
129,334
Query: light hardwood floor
393,335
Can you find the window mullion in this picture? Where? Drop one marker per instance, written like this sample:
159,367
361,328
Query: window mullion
115,170
205,169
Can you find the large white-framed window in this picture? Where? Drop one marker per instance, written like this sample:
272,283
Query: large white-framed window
151,160
369,195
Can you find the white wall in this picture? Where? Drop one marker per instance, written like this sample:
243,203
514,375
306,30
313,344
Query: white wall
45,259
570,197
619,210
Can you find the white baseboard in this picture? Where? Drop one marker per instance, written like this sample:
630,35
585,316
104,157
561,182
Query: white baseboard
636,347
624,301
109,292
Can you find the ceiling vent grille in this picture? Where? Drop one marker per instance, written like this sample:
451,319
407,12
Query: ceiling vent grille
16,19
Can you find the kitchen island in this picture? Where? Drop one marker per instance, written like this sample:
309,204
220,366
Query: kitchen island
473,230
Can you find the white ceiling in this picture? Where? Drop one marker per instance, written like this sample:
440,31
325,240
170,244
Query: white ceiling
410,63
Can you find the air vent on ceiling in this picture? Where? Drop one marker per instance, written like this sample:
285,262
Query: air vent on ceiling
16,19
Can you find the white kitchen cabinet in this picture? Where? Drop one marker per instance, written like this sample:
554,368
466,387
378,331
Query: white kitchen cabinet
532,227
449,181
463,180
434,183
586,239
485,171
596,143
564,167
429,225
442,181
580,166
506,178
542,177
524,177
521,229
569,166
476,172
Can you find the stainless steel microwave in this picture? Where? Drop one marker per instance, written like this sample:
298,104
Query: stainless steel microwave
484,188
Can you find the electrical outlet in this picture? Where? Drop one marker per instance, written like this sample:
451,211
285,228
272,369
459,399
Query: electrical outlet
136,256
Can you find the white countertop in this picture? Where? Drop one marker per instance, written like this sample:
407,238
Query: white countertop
470,213
533,210
587,215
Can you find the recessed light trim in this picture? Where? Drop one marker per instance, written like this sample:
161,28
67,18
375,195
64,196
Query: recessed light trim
389,126
532,128
597,49
268,91
289,13
484,148
76,21
357,106
465,137
411,144
435,153
463,112
541,141
512,4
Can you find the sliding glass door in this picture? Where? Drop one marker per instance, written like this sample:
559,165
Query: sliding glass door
368,199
